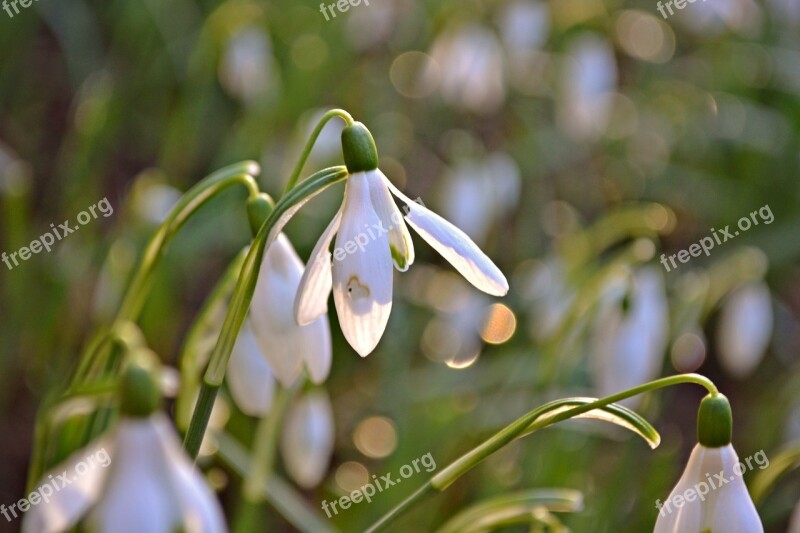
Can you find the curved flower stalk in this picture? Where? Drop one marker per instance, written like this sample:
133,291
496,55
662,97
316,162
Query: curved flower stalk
307,440
629,343
371,235
710,426
288,347
697,503
745,329
138,479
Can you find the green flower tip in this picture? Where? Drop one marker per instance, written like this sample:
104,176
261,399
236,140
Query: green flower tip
258,210
139,392
714,421
358,146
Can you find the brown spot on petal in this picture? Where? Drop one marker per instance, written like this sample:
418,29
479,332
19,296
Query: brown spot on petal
355,289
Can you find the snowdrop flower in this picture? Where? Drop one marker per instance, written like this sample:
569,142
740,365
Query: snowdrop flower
247,68
147,483
590,79
628,344
307,438
745,329
470,62
371,235
701,501
287,346
250,379
477,193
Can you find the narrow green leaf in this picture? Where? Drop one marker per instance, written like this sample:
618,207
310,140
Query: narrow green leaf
516,508
614,413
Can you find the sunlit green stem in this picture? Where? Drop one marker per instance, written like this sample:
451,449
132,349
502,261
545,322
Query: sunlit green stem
312,139
138,288
243,295
526,424
190,360
266,445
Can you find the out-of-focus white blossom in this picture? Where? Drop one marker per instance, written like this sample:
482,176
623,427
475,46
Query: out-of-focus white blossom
471,68
307,438
630,334
588,84
477,193
149,484
247,68
250,379
745,328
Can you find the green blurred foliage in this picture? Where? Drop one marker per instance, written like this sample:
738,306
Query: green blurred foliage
135,101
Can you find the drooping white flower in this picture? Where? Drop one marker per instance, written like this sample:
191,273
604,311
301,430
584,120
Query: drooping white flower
250,379
724,507
745,328
477,193
470,68
628,344
247,68
287,346
148,484
589,82
307,438
371,235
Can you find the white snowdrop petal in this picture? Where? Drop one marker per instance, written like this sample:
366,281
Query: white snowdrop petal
250,379
362,271
271,314
307,439
138,495
316,283
628,348
455,246
70,502
745,329
672,519
200,509
725,507
391,220
315,348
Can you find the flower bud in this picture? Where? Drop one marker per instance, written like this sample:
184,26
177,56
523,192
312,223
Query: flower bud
358,148
258,210
714,421
139,392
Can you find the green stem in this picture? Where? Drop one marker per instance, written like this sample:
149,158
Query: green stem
138,288
191,359
265,445
312,139
200,418
526,424
243,295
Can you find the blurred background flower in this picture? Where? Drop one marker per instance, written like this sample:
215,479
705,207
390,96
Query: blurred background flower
575,141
